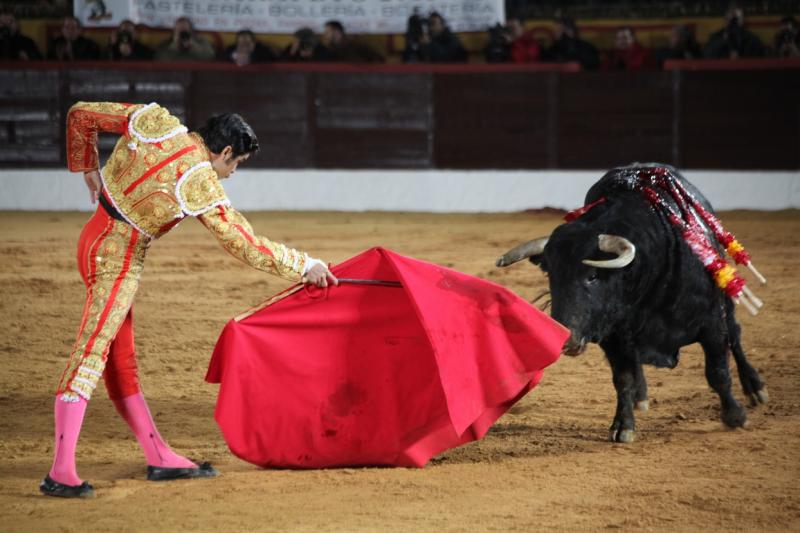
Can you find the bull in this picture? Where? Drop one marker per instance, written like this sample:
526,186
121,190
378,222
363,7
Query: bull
622,276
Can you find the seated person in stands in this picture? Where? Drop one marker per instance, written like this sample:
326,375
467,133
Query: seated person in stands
498,48
628,53
13,45
124,46
431,41
568,46
511,43
305,47
340,47
524,48
787,40
682,45
71,45
734,41
247,49
185,44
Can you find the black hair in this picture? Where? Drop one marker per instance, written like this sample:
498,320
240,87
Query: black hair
304,33
246,32
186,19
568,23
72,17
336,25
228,129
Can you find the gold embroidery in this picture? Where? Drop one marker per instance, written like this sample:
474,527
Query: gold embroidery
237,237
155,122
201,190
150,203
84,121
105,316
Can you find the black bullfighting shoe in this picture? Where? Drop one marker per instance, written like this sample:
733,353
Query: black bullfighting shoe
51,487
157,473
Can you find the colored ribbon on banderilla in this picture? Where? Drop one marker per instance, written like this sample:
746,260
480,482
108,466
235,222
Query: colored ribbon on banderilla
693,232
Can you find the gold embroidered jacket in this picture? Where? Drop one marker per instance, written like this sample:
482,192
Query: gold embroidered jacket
159,173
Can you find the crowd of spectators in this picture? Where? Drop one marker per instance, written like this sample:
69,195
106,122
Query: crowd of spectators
183,44
428,39
733,40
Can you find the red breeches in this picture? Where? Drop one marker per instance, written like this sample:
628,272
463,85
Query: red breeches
110,258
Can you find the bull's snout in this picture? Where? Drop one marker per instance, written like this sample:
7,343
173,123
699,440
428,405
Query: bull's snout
574,346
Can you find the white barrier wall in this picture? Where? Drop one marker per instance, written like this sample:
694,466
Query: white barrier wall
427,191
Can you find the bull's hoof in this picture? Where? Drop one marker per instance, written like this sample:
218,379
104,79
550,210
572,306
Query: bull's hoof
625,436
761,396
643,405
735,417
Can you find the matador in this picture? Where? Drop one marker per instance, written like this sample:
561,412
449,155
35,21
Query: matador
158,174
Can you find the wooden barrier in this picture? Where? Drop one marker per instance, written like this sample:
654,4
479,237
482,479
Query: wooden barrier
436,117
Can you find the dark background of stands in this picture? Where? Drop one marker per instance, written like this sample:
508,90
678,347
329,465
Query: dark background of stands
447,117
644,9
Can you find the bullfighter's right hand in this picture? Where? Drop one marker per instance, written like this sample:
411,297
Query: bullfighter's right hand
320,276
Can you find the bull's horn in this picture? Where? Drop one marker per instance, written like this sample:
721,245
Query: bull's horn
614,244
523,251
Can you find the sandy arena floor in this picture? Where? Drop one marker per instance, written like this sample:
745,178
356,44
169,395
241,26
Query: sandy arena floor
544,466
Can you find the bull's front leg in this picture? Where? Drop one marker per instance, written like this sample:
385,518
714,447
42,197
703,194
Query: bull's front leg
641,401
624,368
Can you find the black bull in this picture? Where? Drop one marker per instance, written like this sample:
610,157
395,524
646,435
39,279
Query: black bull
622,276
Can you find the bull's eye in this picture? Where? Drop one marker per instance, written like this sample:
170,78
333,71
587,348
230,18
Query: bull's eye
591,279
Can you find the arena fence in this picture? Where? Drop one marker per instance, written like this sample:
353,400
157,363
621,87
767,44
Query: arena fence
437,191
733,115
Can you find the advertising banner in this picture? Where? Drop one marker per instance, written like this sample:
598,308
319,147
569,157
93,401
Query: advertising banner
286,16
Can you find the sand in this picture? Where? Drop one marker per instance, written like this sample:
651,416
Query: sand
546,465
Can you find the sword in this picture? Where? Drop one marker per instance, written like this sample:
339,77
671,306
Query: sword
295,288
375,282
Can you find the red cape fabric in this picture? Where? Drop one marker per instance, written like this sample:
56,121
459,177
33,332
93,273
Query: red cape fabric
361,375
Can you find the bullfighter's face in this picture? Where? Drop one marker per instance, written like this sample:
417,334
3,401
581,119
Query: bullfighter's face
225,163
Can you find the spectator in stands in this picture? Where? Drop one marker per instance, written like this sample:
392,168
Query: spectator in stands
733,40
524,48
628,53
338,46
13,45
431,41
511,43
416,30
124,46
185,44
682,45
568,46
304,47
498,48
71,45
247,49
787,40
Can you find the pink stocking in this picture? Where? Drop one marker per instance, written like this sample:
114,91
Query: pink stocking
69,418
134,410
